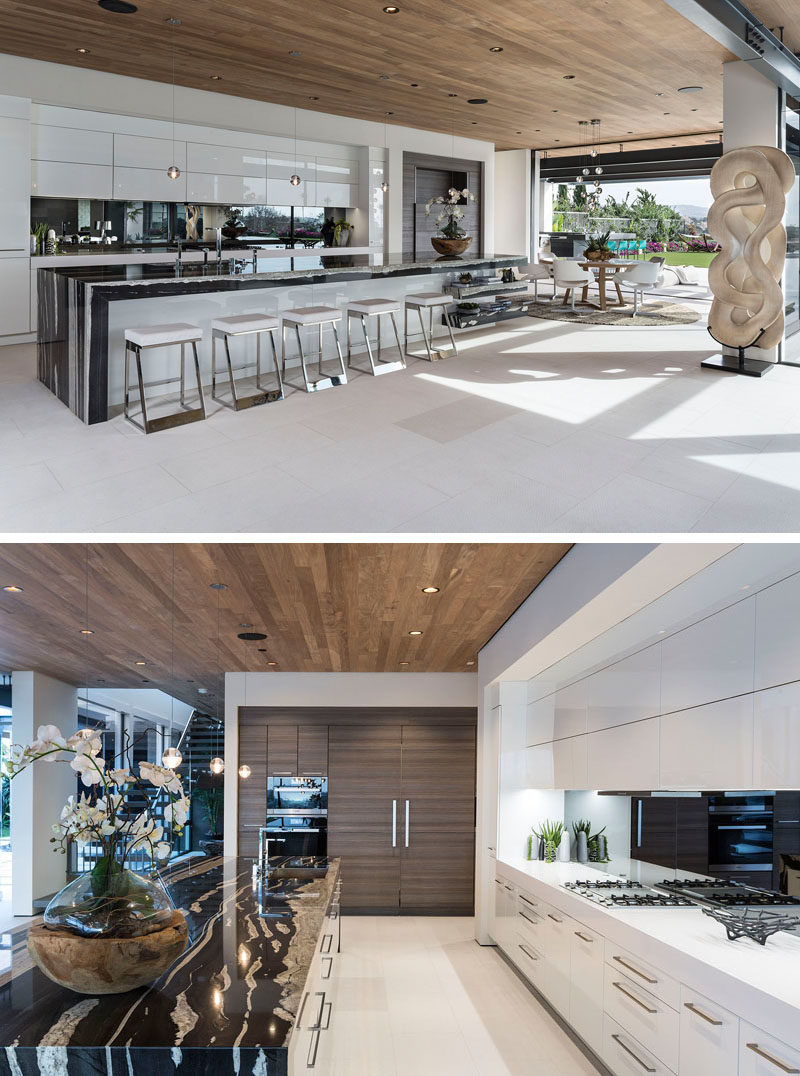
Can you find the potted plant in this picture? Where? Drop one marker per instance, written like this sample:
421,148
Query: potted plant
38,233
550,833
342,231
111,929
597,249
581,830
234,225
452,240
210,800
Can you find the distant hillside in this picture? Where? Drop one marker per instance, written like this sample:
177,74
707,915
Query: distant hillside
697,212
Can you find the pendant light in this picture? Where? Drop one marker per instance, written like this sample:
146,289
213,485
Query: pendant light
385,184
172,758
173,172
244,769
295,179
217,764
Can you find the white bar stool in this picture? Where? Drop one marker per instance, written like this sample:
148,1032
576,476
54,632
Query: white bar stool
431,301
314,315
245,325
376,308
148,339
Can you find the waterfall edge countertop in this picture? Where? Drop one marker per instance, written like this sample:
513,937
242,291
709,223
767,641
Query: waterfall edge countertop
226,1006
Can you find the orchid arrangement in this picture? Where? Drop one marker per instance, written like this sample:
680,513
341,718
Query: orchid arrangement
450,215
103,814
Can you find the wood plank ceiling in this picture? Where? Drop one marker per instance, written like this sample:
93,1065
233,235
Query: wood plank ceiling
324,608
777,13
349,58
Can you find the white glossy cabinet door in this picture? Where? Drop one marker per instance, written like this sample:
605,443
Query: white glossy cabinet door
69,144
710,660
148,185
15,187
776,744
709,1037
648,1018
629,690
586,985
708,747
570,711
539,771
53,179
777,652
540,721
625,757
336,195
226,160
569,763
227,190
557,946
15,296
336,170
764,1055
142,151
626,1056
506,914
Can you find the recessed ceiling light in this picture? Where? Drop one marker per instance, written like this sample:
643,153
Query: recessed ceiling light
12,589
313,98
86,631
383,78
392,10
119,7
403,663
218,586
262,650
661,95
414,84
556,139
83,52
689,89
452,95
202,691
430,590
140,663
388,113
694,110
144,681
568,77
477,101
272,664
215,78
173,22
416,632
245,626
496,48
555,110
470,663
519,132
666,113
294,52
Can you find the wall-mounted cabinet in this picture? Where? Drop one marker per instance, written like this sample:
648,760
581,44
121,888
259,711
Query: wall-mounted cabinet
540,717
570,711
777,653
141,151
710,660
629,690
68,144
206,188
625,757
54,179
776,742
570,763
226,160
708,747
148,185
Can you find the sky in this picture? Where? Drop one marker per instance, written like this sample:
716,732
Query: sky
667,191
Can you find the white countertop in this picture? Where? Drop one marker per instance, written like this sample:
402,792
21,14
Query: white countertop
118,257
761,984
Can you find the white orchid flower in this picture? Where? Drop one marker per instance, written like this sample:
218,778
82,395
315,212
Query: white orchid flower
162,850
122,776
177,813
90,769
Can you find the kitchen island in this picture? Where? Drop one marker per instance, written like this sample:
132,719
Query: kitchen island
85,310
229,1005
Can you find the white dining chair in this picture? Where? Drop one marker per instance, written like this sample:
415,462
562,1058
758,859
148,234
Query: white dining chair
641,277
570,276
539,271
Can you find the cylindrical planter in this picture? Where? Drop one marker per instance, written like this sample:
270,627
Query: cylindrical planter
564,848
550,851
582,850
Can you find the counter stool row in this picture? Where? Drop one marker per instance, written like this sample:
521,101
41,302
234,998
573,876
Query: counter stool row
224,329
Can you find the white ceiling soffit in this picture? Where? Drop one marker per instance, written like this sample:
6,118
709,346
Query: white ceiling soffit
674,585
149,703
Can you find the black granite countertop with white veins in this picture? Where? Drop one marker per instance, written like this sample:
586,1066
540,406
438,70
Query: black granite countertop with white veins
225,1008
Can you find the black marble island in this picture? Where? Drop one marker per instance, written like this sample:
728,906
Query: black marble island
85,310
227,1007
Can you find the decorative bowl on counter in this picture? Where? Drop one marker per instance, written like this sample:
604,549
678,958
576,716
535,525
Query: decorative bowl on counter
758,924
450,248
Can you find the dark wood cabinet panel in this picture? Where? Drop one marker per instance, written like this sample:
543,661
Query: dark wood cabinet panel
691,839
364,766
653,830
282,751
253,789
438,794
312,751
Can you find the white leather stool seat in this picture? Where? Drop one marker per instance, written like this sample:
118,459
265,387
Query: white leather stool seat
428,298
245,323
155,335
312,315
373,306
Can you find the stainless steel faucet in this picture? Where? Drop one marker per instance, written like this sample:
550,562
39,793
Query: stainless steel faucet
179,259
219,249
264,858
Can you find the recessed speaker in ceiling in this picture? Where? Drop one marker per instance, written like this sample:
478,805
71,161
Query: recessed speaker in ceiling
119,7
251,636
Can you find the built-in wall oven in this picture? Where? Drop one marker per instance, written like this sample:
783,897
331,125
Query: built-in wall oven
297,816
740,833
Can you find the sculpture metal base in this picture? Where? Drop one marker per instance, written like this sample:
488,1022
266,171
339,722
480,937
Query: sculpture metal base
738,365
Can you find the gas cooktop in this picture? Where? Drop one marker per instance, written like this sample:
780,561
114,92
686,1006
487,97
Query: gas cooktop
623,893
723,893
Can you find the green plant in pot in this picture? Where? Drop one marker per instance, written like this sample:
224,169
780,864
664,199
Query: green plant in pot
38,235
581,831
452,240
551,833
342,232
598,847
234,225
597,249
210,801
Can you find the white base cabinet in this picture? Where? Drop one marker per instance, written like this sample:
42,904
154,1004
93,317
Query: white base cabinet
15,296
763,1055
709,1037
586,985
626,1056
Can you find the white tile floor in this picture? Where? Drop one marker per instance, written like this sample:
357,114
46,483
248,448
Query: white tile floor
537,426
419,995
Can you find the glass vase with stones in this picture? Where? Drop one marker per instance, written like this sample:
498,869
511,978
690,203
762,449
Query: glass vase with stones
110,901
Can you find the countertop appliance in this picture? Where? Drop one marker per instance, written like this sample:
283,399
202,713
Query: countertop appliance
623,893
740,833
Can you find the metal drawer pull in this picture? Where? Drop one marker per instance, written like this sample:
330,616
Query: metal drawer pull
497,881
281,773
703,1015
508,887
635,1057
528,953
531,902
788,821
534,922
323,947
330,967
554,918
635,971
302,1009
394,823
311,1060
633,997
583,937
768,1057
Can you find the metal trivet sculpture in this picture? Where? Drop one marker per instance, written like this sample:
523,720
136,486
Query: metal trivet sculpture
756,924
749,187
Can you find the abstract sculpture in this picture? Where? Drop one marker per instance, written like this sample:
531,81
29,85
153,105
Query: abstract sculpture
749,187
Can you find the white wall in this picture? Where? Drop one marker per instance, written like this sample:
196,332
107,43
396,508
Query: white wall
328,689
39,793
512,201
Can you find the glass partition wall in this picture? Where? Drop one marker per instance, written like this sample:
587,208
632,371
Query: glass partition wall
791,278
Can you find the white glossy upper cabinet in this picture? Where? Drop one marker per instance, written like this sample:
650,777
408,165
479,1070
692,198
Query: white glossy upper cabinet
708,747
71,145
211,189
710,660
226,160
540,721
624,758
15,177
569,717
280,168
148,185
569,763
60,179
141,151
629,690
539,768
776,743
778,633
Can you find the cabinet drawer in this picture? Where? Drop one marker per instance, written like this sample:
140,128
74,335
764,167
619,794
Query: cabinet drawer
586,985
530,925
709,1036
764,1055
646,1017
527,902
625,1056
653,980
528,959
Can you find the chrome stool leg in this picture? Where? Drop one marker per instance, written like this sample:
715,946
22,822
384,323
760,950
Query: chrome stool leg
199,382
230,373
145,421
397,338
183,375
302,357
366,341
341,357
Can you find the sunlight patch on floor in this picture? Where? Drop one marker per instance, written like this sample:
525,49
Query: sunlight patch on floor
778,468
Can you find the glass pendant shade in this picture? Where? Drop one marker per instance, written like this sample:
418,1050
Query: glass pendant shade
385,186
217,765
172,758
117,903
295,181
173,171
585,171
593,153
244,772
598,171
579,179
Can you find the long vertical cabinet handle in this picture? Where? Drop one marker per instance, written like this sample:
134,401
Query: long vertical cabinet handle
407,814
394,823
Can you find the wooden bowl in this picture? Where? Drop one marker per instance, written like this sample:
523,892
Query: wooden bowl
450,248
106,965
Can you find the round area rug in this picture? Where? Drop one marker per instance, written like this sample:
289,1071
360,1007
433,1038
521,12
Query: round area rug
656,312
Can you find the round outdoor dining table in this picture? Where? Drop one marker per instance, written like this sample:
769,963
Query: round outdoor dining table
604,270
